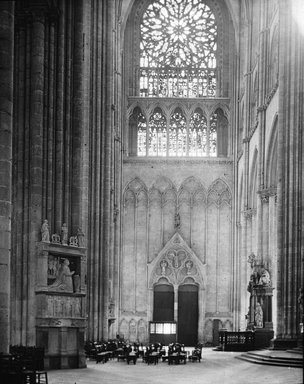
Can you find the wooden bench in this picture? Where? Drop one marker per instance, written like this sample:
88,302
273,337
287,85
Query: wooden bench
177,358
103,356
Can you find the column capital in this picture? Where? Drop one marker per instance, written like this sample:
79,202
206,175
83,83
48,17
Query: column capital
265,193
249,213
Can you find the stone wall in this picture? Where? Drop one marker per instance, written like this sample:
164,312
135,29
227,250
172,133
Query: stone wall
154,192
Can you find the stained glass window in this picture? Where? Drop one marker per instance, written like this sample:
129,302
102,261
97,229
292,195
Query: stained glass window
157,134
178,58
178,49
141,135
213,135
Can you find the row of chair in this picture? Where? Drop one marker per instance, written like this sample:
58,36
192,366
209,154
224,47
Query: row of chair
151,354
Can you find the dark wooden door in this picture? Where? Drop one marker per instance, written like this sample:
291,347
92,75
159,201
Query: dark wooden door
163,309
187,314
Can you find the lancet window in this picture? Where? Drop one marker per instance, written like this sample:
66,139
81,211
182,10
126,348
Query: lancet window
176,135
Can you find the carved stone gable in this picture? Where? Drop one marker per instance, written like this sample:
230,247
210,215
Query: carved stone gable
175,263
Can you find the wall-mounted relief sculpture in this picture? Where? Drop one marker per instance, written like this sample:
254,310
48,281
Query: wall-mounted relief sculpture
176,262
63,274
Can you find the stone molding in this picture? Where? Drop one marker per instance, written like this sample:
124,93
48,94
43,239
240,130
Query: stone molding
177,161
168,105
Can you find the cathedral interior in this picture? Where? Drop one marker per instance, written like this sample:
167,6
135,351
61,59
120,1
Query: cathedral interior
151,163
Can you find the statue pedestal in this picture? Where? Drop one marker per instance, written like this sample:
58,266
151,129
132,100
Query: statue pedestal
262,338
60,305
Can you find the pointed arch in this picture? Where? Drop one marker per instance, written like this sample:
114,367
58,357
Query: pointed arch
136,186
219,192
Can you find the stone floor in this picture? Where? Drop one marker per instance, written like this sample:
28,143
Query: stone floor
215,368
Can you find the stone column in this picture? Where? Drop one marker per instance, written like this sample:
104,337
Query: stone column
36,112
109,107
77,115
290,177
6,124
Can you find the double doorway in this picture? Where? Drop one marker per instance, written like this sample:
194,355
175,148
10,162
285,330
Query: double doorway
179,305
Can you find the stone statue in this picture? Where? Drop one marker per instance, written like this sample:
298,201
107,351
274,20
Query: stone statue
64,234
80,236
258,316
252,260
163,265
64,281
45,233
52,267
189,266
265,278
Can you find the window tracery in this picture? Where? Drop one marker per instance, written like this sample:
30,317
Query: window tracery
178,49
177,52
179,136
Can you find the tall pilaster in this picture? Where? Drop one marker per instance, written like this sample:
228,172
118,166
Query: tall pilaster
290,179
6,125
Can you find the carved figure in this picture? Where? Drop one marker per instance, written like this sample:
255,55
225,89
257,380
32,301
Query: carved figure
80,236
64,279
189,266
56,238
265,277
64,234
163,265
52,267
258,316
45,233
251,260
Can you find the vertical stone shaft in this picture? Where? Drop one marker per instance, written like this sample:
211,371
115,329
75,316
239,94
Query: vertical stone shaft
95,191
77,115
18,183
262,126
59,123
108,148
6,125
36,160
290,162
